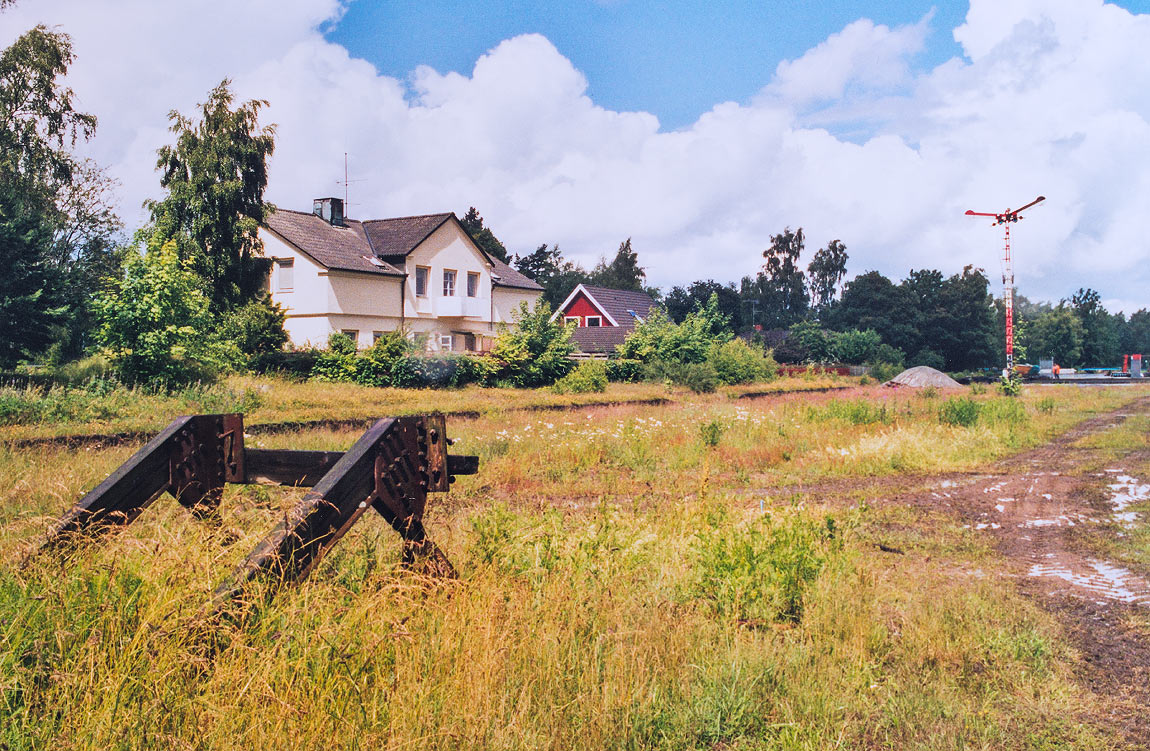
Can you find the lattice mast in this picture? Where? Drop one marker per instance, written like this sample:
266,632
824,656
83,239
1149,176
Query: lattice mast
1006,218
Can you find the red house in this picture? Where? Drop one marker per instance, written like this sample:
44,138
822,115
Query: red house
603,316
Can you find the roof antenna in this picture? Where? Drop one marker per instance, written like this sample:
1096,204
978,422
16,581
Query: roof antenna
345,182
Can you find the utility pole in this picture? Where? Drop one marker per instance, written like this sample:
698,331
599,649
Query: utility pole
1006,218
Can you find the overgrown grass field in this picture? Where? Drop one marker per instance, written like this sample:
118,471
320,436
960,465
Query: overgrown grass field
687,575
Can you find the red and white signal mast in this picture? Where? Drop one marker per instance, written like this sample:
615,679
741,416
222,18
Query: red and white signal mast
1007,218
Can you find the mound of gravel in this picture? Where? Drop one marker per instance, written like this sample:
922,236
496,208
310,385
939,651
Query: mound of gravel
922,376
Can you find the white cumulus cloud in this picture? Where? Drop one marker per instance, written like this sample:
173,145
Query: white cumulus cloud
850,140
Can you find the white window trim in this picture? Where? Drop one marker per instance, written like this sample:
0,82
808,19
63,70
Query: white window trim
597,318
454,282
446,343
578,321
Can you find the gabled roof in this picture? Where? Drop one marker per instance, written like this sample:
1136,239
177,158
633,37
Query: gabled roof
344,248
400,236
505,276
376,246
623,308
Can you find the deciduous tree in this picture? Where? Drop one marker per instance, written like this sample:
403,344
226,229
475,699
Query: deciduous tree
215,175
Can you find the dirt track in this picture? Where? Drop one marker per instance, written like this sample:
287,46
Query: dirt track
1041,508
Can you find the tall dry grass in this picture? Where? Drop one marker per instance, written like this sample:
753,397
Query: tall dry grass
620,588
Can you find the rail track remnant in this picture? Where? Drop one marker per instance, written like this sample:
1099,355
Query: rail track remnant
390,469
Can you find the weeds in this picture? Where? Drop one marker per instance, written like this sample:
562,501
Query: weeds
960,411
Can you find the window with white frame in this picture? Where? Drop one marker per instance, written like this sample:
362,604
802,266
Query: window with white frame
422,274
594,320
573,319
449,282
446,341
472,284
285,274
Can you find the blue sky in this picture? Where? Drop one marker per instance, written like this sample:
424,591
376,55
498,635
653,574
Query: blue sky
697,130
674,59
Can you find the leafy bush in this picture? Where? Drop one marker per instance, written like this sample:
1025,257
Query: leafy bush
339,343
761,571
154,323
83,371
959,410
533,352
884,371
1046,405
736,362
856,347
623,370
293,363
589,376
813,343
699,377
1010,385
659,338
256,329
711,432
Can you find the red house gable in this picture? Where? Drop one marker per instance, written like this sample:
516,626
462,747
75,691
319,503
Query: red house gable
582,308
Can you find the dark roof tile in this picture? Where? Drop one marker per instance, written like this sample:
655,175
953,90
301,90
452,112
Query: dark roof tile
344,248
399,236
617,303
509,277
597,339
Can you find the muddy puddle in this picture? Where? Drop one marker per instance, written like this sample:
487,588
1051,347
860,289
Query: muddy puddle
1033,512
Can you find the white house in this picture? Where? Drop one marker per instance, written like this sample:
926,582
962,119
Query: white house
420,274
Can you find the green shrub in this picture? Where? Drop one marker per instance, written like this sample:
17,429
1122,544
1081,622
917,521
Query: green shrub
883,371
334,367
589,376
256,329
928,392
83,371
1005,410
1010,385
533,352
959,410
856,347
699,377
854,411
437,371
339,343
1046,405
761,571
623,370
711,432
736,362
659,338
929,358
155,326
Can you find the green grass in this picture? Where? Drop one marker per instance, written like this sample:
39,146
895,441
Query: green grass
625,583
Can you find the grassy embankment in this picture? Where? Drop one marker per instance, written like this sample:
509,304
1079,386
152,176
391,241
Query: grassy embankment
644,577
31,412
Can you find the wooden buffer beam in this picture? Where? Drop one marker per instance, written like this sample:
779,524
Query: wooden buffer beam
390,469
